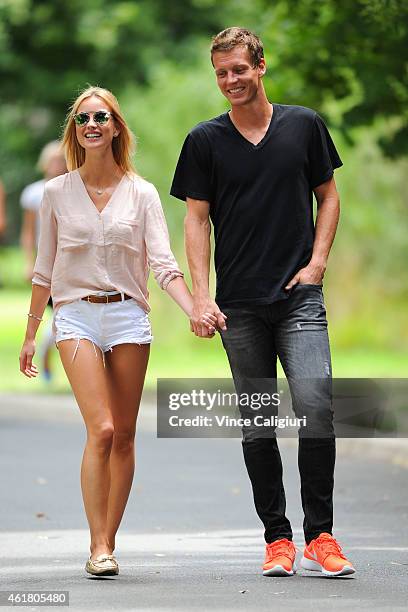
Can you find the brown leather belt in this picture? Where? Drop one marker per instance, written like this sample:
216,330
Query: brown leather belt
106,299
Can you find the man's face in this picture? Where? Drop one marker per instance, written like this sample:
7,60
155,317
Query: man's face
237,79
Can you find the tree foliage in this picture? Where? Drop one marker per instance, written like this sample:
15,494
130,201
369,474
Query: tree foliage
347,59
48,47
353,53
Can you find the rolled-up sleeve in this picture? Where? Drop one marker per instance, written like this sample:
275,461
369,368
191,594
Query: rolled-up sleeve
159,255
47,245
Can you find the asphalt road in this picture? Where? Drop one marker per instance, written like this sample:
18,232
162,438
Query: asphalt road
190,539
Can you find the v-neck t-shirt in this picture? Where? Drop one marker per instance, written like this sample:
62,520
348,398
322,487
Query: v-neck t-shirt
261,198
82,251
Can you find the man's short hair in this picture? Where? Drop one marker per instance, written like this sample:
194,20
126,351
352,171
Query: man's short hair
238,37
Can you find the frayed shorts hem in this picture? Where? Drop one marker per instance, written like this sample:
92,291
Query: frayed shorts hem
78,338
130,341
108,348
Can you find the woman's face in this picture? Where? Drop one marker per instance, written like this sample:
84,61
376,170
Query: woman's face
93,134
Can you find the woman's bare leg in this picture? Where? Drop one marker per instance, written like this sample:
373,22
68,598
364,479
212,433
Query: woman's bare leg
87,377
126,368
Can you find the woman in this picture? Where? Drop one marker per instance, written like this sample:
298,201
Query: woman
102,227
51,164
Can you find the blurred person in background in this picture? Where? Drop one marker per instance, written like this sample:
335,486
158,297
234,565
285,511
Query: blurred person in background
3,221
51,163
2,210
102,228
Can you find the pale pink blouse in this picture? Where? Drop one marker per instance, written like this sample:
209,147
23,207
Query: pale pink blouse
83,251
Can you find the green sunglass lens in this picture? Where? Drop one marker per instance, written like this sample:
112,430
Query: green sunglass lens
101,117
81,118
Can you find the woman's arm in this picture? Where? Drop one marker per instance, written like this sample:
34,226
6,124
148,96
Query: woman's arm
47,248
180,293
39,298
162,261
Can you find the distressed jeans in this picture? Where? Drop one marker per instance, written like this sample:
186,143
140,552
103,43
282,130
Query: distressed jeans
295,331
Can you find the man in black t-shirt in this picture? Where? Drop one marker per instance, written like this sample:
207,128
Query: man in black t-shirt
253,171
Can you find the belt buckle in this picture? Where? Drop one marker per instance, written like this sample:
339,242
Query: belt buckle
107,299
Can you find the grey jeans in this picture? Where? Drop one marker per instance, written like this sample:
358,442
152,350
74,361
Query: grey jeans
295,330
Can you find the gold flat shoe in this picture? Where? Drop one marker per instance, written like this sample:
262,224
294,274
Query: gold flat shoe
103,565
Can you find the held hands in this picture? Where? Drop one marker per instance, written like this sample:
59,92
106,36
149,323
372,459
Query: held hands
312,274
206,318
26,359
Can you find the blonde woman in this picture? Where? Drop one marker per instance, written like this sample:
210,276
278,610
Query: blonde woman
102,228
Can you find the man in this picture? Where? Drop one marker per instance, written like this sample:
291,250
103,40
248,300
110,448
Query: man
253,171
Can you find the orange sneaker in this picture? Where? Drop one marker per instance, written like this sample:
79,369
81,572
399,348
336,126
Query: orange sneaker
280,558
324,554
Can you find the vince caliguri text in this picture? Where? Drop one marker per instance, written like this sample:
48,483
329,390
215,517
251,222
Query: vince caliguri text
227,421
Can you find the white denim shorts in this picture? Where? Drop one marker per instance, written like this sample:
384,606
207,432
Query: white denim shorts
105,325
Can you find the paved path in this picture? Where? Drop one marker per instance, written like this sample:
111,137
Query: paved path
190,539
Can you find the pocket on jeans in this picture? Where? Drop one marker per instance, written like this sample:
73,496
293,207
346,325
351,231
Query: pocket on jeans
308,285
67,310
140,317
308,291
309,297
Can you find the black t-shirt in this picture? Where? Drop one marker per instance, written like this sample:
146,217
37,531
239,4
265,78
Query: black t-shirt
261,198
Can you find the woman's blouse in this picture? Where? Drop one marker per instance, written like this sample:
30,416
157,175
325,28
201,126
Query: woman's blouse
83,251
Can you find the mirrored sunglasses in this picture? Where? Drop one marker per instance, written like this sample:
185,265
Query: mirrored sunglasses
100,117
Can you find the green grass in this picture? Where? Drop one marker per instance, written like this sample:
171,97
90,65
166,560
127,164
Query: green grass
176,352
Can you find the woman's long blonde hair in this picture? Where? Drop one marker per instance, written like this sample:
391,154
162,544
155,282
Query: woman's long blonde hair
123,145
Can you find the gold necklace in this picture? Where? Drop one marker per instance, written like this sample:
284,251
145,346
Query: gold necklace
100,191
